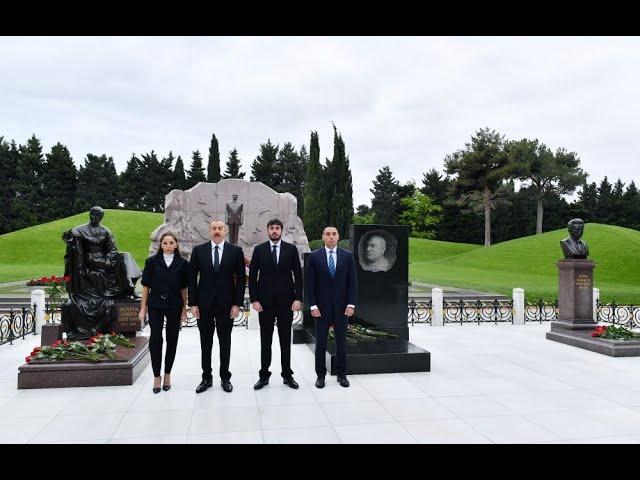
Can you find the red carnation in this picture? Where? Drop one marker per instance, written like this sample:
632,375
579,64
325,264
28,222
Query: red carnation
66,278
57,343
27,359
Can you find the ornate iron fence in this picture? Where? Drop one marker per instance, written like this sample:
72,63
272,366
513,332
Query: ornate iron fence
17,323
623,315
478,311
540,311
420,311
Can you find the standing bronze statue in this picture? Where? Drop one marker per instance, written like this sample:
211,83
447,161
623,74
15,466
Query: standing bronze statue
572,246
99,275
233,218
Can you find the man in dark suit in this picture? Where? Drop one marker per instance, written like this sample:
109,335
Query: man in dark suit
275,290
331,280
215,298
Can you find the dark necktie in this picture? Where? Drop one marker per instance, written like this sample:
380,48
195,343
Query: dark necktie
216,260
274,254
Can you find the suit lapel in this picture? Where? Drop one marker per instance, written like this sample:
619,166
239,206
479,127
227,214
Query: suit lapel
209,251
226,255
340,260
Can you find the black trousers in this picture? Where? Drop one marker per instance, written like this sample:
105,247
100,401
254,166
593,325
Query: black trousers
322,333
207,323
267,320
156,321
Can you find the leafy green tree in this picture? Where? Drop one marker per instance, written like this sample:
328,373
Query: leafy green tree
233,166
420,214
480,169
549,173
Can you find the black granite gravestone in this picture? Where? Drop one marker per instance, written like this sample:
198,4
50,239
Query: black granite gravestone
381,253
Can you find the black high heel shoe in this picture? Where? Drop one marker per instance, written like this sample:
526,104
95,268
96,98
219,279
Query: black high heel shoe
156,389
166,388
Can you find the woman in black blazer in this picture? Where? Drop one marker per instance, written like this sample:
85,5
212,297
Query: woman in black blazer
164,279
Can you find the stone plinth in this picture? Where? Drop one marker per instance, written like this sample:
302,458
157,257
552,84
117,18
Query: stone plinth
575,295
72,373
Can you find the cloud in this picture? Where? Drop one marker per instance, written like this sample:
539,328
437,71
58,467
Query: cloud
398,101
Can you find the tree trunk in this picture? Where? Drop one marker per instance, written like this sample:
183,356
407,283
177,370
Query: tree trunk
487,217
539,217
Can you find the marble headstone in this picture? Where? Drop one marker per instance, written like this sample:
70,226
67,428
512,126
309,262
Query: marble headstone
187,213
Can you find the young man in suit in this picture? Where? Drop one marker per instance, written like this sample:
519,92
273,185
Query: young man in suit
215,298
275,290
331,280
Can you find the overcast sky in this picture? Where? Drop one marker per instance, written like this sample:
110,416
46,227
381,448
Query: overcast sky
405,102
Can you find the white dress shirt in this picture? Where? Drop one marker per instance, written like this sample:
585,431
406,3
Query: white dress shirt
335,262
168,258
213,252
277,244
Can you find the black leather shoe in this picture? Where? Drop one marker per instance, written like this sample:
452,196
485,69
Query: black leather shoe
291,382
226,386
203,386
320,382
156,389
342,380
166,388
261,383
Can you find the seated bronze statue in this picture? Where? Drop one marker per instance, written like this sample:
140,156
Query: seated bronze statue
572,246
99,275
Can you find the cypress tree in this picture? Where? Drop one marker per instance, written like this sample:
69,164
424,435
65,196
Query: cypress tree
233,166
213,168
339,187
315,202
196,172
179,179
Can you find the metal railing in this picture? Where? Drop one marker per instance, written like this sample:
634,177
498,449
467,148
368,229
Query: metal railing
622,315
17,323
478,311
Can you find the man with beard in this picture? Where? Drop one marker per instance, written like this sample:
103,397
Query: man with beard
275,290
215,298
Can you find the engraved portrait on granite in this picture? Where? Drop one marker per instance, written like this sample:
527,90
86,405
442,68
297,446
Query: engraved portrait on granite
377,251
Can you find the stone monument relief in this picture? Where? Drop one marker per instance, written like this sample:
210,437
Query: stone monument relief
245,207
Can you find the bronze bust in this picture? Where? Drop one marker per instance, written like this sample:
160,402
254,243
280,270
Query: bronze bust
572,246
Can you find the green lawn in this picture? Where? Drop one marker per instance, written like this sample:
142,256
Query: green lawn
530,263
39,250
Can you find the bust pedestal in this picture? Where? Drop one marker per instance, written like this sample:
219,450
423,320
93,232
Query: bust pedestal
575,294
575,313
